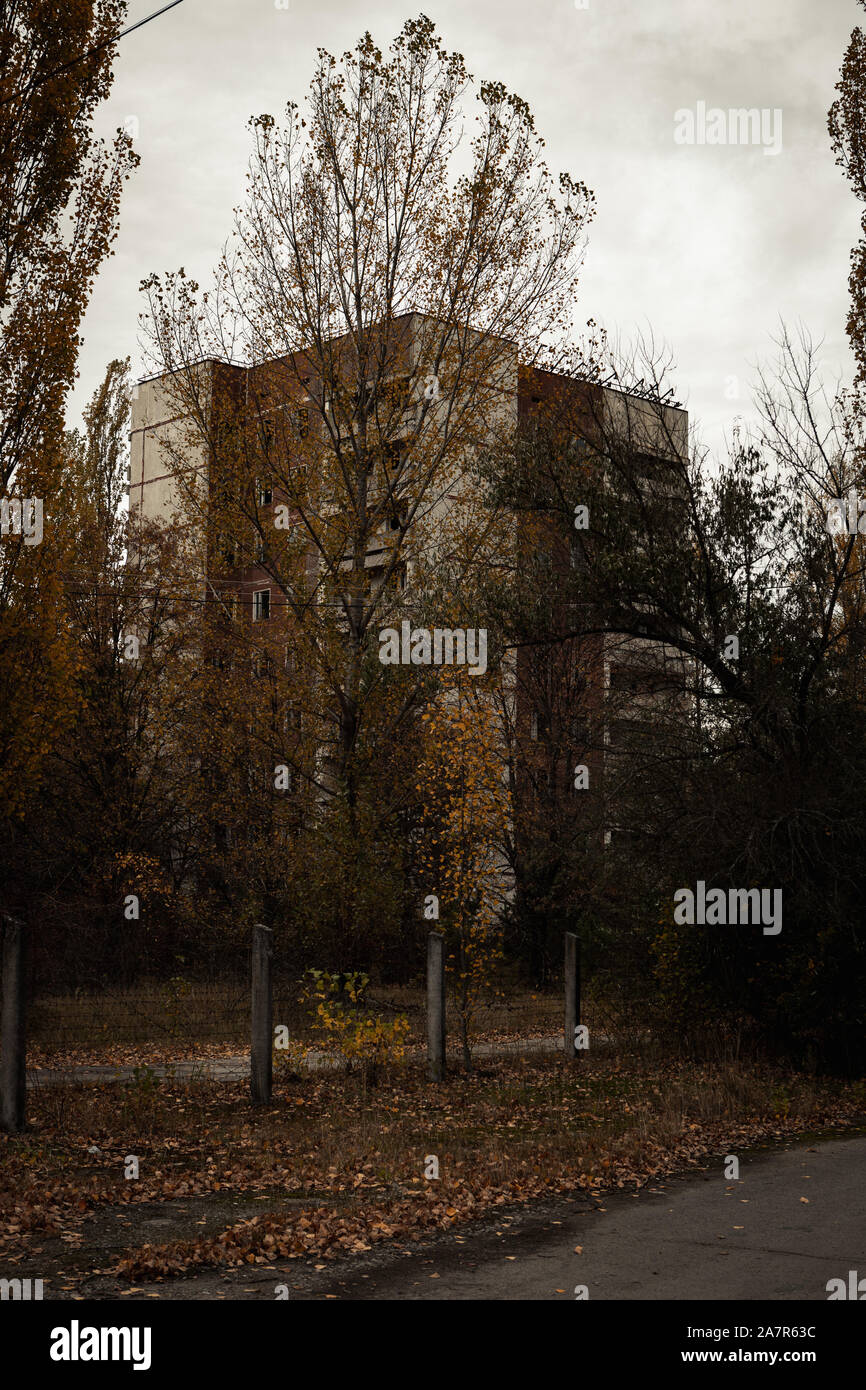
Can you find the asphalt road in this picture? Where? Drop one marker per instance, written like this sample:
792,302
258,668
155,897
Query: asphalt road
795,1219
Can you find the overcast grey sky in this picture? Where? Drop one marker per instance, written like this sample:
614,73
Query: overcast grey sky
707,244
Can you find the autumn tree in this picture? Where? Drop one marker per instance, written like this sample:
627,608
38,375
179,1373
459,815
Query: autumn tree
59,196
466,813
847,130
108,815
379,290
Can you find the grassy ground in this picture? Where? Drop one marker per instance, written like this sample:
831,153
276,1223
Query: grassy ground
334,1166
183,1020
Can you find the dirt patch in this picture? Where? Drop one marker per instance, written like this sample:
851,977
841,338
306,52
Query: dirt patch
67,1264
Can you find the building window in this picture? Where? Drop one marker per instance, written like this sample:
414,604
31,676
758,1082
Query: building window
580,732
626,680
226,551
264,493
292,720
397,516
261,605
577,553
539,724
395,458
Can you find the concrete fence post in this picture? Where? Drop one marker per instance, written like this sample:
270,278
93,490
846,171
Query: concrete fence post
572,994
13,1076
261,1051
435,1006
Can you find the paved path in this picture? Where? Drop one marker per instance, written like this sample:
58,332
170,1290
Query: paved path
238,1068
695,1238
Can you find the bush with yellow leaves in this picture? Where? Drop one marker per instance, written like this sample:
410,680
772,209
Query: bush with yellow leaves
365,1040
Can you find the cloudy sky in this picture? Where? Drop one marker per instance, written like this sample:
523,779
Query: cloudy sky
707,245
